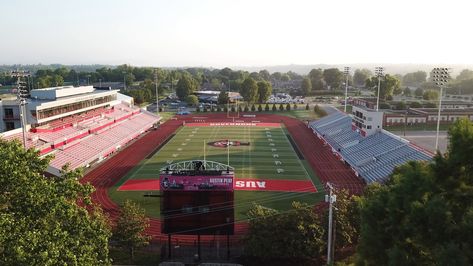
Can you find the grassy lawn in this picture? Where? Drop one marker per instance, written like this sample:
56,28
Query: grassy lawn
250,161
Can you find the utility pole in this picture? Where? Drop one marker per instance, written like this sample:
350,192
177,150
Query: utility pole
22,94
157,95
330,198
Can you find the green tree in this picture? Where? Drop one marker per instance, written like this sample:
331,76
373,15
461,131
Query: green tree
260,108
388,85
419,92
407,92
299,233
274,108
264,74
424,213
346,219
40,220
185,87
288,107
430,95
253,108
307,107
465,74
414,78
281,107
131,226
223,97
415,105
360,76
192,100
333,77
264,91
401,106
316,76
306,86
266,107
249,90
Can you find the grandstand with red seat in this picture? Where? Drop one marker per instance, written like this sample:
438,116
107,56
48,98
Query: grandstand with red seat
78,125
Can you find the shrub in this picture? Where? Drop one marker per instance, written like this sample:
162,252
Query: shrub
260,108
219,109
198,109
266,107
225,109
246,108
307,107
232,109
274,107
281,107
294,107
415,105
253,108
240,109
288,107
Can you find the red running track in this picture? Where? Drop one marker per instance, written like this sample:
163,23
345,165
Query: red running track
323,162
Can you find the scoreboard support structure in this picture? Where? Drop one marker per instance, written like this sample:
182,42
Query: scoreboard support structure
197,198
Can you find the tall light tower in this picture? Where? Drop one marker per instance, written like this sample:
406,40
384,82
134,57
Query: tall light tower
441,76
379,71
157,95
347,73
22,94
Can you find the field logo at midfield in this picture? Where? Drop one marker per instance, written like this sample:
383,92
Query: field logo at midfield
226,143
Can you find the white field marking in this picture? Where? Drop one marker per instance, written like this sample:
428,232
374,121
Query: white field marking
277,162
273,149
175,155
271,144
191,135
188,139
275,155
270,140
266,128
179,149
280,170
169,161
183,144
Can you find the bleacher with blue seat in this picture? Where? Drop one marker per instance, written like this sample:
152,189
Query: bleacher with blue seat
374,157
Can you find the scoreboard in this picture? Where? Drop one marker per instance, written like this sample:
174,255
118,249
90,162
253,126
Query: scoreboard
197,202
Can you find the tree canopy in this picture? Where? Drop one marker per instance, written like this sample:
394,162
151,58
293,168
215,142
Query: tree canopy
424,214
306,87
185,87
333,77
40,220
264,91
129,231
249,90
360,76
388,85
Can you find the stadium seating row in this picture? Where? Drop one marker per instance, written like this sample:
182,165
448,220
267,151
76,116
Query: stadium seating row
373,157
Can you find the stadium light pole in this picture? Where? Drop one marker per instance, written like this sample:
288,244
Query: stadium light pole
330,198
22,94
441,76
347,72
379,71
124,80
157,95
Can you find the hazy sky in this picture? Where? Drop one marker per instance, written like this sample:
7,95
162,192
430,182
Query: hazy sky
235,33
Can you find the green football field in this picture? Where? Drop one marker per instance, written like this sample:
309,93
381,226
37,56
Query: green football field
256,161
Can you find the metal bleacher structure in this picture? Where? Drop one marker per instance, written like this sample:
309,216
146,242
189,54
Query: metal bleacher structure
374,157
87,138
